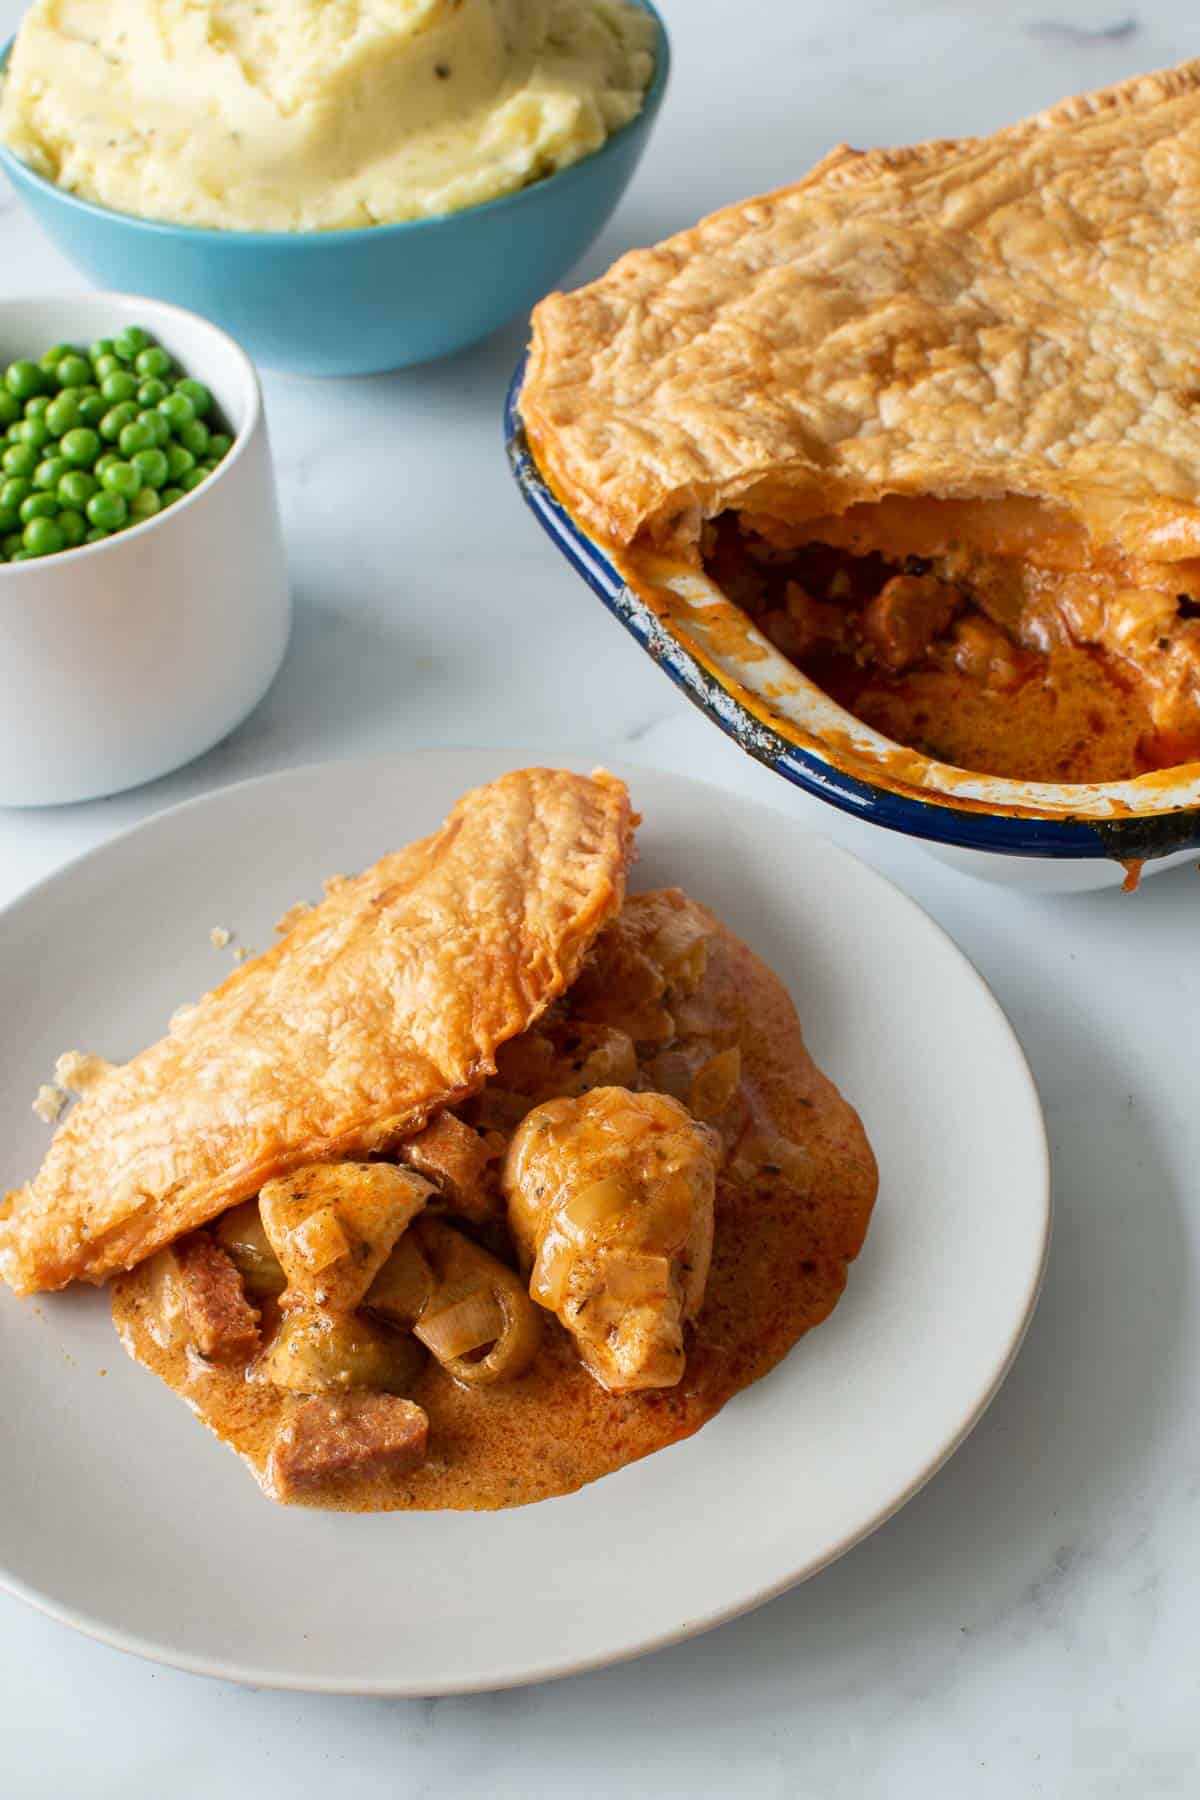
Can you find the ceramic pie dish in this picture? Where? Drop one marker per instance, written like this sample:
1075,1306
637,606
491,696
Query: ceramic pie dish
897,476
1017,833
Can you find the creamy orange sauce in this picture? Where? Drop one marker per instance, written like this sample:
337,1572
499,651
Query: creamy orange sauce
1071,717
779,1265
1098,674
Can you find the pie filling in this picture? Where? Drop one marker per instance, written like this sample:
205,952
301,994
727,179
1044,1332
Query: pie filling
994,635
654,1196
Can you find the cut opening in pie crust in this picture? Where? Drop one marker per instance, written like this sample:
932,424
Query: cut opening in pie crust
994,634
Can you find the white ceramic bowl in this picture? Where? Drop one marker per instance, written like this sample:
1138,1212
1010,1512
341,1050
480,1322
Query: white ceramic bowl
123,659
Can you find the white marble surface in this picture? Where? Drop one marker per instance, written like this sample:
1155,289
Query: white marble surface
1026,1625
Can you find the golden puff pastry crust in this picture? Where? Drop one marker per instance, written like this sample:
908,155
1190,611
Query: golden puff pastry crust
380,1005
1012,314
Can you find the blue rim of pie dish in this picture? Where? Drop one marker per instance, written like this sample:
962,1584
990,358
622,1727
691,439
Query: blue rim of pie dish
1140,837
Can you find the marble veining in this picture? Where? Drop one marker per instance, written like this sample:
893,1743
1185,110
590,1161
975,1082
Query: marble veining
1026,1626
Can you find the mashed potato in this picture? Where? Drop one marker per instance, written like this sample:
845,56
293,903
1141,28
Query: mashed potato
313,115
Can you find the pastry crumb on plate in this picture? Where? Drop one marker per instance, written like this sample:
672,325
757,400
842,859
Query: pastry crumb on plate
49,1103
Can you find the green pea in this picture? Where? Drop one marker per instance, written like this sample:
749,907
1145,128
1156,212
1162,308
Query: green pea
19,459
13,434
153,360
76,487
118,386
145,504
11,544
121,478
38,506
151,465
81,447
107,365
24,379
177,409
54,356
152,391
197,393
179,461
38,407
154,421
73,371
63,414
10,408
105,462
107,511
192,479
170,495
44,537
116,419
35,432
92,407
97,535
22,556
9,516
127,343
219,444
101,347
195,437
137,435
50,472
14,490
73,526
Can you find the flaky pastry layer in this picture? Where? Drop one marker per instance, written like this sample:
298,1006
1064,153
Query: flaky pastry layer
381,1004
1012,314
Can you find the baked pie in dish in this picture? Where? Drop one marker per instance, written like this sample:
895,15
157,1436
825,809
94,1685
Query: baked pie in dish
487,1179
929,421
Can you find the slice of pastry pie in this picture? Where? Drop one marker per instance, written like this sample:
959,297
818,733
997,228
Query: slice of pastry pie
972,365
382,1004
482,1183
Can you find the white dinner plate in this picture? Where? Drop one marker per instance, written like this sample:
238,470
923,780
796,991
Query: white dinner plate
122,1517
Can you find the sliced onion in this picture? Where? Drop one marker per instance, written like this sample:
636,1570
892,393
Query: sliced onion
714,1085
548,1282
631,1278
486,1303
464,1325
592,1207
319,1240
763,1149
680,949
402,1288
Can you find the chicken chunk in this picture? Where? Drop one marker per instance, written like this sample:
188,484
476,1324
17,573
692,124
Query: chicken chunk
333,1226
906,615
457,1160
220,1321
610,1200
326,1443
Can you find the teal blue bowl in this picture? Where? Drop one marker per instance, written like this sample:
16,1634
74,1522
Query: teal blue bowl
357,302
